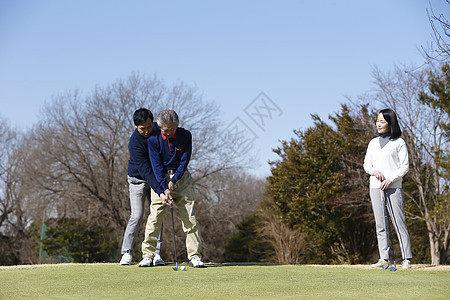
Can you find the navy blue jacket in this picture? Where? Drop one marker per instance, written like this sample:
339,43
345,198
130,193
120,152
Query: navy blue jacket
139,164
170,154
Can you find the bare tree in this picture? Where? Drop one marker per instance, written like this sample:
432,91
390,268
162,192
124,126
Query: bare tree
399,90
289,244
225,199
15,215
77,154
80,151
441,35
6,136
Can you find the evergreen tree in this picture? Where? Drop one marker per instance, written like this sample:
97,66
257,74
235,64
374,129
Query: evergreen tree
320,189
73,240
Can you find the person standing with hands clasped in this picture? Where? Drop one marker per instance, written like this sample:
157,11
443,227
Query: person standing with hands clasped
140,179
170,151
386,162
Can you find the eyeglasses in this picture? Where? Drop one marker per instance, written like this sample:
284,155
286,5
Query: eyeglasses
168,129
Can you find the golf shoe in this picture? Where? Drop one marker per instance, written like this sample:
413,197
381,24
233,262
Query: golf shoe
196,262
126,259
406,264
146,262
158,261
380,263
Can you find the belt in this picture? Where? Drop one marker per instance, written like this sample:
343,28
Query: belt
170,172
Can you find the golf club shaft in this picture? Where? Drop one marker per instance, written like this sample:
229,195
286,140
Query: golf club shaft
173,229
385,221
388,204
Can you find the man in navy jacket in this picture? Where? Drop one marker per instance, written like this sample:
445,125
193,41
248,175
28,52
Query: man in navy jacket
140,179
170,151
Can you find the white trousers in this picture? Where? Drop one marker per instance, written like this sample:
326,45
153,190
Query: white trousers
394,205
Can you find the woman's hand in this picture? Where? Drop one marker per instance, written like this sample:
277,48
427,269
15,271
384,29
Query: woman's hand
378,175
385,184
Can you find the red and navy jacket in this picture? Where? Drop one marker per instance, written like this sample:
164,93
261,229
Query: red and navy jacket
170,154
139,165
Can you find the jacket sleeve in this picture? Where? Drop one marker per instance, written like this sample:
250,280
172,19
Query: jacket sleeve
185,157
368,165
403,161
142,162
156,161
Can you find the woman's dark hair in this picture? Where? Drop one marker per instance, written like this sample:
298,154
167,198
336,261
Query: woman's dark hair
391,117
141,116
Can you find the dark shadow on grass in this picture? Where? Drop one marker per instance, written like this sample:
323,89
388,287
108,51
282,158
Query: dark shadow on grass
186,264
227,264
237,264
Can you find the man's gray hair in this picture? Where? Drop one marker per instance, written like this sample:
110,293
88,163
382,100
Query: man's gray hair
167,117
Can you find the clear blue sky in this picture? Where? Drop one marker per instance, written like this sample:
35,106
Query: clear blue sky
304,55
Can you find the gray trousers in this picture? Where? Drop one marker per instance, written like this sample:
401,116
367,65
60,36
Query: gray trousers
139,191
394,206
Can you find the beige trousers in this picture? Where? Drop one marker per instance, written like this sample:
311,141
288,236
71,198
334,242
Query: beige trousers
183,195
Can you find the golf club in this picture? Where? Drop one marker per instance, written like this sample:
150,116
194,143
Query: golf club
174,242
385,266
388,235
394,266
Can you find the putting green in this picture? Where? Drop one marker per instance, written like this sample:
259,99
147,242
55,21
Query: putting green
221,281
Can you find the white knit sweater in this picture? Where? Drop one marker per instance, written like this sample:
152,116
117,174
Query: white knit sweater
391,160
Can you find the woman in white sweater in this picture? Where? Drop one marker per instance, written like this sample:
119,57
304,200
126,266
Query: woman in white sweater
386,162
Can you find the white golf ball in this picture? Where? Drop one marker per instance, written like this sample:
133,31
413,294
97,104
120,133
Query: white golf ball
183,268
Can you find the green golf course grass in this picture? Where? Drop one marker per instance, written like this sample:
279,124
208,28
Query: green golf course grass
222,281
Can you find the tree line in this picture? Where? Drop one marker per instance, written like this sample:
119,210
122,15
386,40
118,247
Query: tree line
69,173
64,193
318,208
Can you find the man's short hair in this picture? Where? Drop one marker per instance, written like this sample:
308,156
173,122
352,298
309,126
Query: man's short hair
167,117
141,116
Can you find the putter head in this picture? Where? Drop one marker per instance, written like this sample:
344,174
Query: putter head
385,266
176,267
393,267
